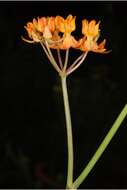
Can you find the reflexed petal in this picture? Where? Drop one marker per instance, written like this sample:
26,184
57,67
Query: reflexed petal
102,44
101,51
85,44
67,42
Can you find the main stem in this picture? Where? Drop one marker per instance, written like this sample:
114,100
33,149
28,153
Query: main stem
69,133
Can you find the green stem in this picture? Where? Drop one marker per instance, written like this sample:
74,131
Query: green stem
52,58
75,66
59,58
75,62
66,60
101,148
69,133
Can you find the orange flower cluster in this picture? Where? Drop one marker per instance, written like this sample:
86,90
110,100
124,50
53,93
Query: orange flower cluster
56,31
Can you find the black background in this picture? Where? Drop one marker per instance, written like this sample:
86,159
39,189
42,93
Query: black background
33,152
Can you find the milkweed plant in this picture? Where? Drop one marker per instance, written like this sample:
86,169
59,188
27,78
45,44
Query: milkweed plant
56,33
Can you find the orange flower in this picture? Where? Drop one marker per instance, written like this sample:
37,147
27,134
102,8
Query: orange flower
40,28
90,29
46,26
40,24
65,25
91,34
32,32
50,27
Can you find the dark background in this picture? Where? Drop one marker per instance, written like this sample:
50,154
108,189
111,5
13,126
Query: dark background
33,152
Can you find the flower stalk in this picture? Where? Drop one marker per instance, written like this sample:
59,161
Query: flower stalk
59,58
69,133
74,66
